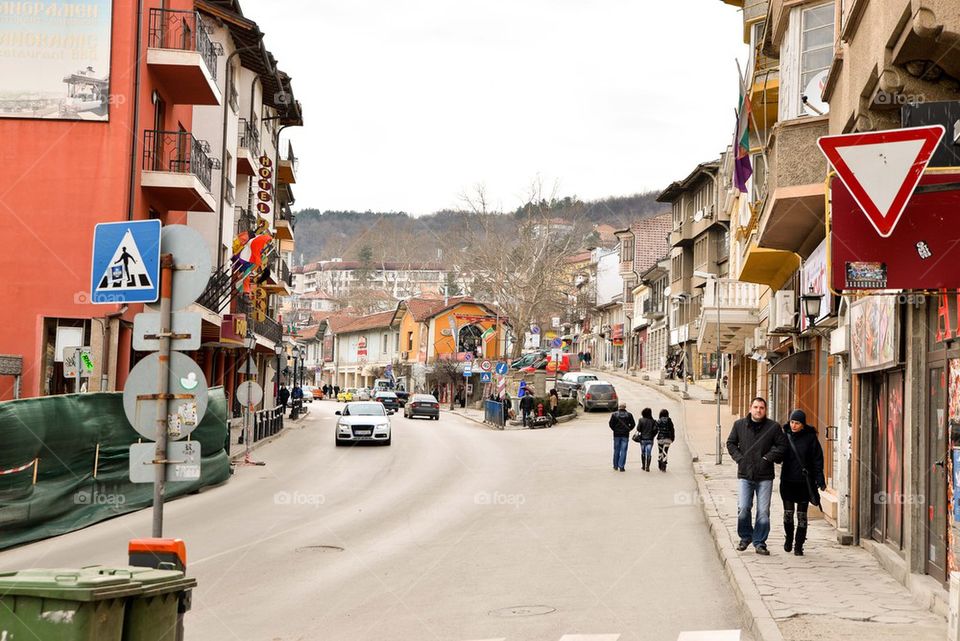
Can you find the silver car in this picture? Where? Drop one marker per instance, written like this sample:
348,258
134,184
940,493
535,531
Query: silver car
363,421
594,394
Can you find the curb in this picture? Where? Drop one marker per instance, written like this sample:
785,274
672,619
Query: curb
239,456
754,611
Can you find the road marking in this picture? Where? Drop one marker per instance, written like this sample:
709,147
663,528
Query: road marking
590,637
710,635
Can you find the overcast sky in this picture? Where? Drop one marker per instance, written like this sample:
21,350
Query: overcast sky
407,105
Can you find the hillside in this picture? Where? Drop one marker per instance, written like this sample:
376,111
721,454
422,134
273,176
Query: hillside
399,236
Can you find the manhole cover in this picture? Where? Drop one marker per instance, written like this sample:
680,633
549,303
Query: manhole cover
320,548
522,611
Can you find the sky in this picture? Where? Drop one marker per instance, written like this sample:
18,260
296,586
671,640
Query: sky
410,105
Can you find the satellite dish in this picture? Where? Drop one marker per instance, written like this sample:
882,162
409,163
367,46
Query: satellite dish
813,92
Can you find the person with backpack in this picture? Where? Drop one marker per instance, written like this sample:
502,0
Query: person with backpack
801,476
622,423
665,436
646,432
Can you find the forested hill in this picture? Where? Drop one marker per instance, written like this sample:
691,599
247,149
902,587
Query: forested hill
328,234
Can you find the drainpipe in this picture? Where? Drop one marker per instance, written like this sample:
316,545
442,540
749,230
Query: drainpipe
136,113
105,349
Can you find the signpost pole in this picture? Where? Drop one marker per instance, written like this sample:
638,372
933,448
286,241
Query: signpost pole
78,372
163,376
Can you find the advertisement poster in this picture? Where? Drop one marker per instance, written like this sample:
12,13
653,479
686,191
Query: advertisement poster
813,280
55,59
873,334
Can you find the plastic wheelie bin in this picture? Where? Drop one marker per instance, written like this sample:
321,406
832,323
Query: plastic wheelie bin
64,605
153,613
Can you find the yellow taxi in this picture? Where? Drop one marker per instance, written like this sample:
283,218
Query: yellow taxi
346,395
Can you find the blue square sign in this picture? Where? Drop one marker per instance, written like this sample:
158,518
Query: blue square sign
126,262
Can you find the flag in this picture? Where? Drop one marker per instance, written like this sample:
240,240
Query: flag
488,334
742,169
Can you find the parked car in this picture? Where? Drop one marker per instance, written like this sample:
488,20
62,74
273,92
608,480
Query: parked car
570,383
307,394
362,394
567,363
422,405
594,394
363,421
527,360
346,395
387,399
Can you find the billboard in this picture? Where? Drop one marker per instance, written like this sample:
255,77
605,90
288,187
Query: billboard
55,59
921,253
873,334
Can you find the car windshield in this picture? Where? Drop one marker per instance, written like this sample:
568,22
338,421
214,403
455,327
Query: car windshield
386,395
424,398
588,377
602,388
363,409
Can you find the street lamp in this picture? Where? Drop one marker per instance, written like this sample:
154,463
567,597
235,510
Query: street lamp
295,410
716,301
811,303
278,350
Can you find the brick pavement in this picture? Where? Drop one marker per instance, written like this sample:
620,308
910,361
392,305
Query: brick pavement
833,592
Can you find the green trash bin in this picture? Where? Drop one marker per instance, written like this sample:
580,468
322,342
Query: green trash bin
64,605
152,615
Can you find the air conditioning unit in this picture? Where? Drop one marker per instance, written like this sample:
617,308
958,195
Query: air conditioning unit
783,312
759,338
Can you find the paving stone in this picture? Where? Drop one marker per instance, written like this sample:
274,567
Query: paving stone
890,618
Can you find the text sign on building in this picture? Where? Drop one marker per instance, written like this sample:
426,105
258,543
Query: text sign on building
920,254
126,262
882,168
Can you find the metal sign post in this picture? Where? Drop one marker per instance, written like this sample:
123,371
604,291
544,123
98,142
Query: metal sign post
163,340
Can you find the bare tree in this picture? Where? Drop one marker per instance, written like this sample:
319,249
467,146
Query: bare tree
448,371
518,261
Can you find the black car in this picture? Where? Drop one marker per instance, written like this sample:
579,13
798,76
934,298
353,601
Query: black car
422,405
388,399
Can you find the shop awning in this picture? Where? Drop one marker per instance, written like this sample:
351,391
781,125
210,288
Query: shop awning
796,363
770,267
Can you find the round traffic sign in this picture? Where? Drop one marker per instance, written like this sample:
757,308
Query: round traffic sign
468,356
185,382
249,393
502,368
485,365
534,329
191,257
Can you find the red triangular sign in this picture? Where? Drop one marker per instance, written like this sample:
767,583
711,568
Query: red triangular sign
882,168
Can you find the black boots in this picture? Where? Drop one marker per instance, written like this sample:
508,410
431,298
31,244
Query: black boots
662,465
788,531
645,459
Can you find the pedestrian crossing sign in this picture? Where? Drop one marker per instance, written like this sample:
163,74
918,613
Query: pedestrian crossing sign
126,262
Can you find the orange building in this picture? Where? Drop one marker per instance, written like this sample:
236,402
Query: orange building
434,329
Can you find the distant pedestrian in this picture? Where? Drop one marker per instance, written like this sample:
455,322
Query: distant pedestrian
336,390
755,443
800,478
435,392
526,406
554,400
282,397
622,423
587,357
665,436
646,433
508,406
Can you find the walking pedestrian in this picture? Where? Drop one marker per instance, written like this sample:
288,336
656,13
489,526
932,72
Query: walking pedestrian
336,391
554,404
800,479
756,443
526,406
622,423
665,436
646,432
282,397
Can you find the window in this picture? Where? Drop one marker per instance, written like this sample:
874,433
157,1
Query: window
759,178
700,252
677,215
626,250
816,47
384,345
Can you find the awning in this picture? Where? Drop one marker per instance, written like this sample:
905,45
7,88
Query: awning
796,363
770,267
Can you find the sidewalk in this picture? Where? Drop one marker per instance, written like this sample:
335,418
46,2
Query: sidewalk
834,592
238,450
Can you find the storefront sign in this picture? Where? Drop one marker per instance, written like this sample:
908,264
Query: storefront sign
263,195
233,329
873,334
813,279
616,332
55,59
328,348
362,346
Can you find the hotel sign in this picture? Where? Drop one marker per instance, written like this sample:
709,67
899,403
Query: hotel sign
233,329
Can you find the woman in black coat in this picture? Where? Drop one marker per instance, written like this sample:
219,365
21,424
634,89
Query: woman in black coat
665,436
801,476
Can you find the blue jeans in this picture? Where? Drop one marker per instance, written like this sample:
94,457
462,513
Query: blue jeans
646,449
757,533
620,444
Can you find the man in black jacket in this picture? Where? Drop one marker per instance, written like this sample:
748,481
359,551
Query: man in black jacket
526,406
622,423
755,443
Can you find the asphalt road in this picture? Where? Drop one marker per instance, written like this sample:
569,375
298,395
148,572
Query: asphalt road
455,532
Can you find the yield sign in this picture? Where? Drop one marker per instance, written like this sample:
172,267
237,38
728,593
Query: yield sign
882,168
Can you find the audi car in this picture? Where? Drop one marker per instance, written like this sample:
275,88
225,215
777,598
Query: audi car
422,405
363,421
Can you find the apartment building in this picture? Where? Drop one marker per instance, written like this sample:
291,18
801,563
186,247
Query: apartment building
341,279
650,333
157,108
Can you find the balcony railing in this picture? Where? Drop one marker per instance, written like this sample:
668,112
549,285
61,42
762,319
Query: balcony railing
268,328
248,137
228,190
177,152
732,294
245,220
234,99
219,290
182,30
285,275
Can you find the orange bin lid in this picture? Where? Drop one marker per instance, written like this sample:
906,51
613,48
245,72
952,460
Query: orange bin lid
160,546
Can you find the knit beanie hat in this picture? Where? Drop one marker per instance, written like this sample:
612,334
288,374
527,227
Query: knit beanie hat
799,416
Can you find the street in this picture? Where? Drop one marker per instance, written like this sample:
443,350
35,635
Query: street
455,532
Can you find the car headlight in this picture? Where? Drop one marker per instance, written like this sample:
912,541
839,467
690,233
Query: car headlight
382,427
343,428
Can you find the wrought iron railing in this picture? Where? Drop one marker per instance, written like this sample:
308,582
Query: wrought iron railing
183,30
245,220
228,190
285,275
234,99
268,328
216,297
178,152
248,137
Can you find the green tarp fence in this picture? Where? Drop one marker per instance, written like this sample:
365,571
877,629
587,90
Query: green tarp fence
61,434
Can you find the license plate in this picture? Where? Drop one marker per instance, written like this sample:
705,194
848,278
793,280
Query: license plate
364,433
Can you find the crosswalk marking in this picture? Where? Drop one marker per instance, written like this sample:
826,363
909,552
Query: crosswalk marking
710,635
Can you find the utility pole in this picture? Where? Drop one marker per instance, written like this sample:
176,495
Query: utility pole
163,391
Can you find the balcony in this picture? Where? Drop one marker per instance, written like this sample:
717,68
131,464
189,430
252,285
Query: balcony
181,57
248,148
287,167
793,214
216,297
739,314
245,221
228,191
177,171
682,234
268,328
